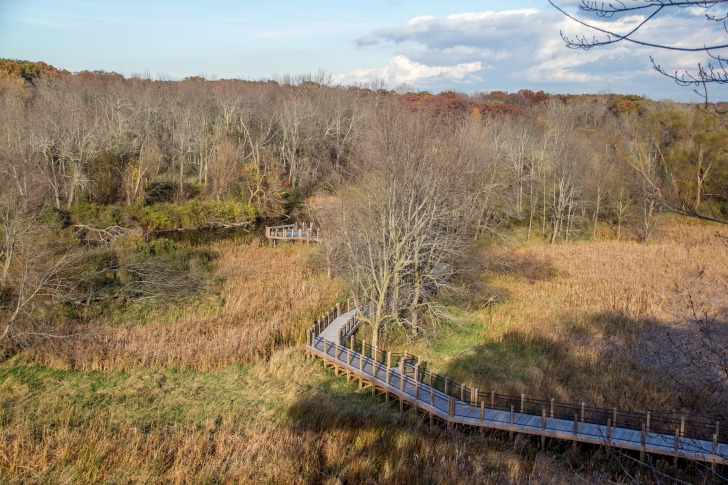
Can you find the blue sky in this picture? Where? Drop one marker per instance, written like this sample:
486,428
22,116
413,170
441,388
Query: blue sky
435,45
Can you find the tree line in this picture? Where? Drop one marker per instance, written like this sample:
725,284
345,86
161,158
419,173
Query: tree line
403,184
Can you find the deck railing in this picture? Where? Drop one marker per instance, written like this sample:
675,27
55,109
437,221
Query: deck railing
683,426
686,425
293,232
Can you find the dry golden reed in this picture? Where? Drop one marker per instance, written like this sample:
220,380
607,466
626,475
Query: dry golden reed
590,320
270,296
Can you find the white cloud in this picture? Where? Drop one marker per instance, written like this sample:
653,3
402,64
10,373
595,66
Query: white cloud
523,49
400,70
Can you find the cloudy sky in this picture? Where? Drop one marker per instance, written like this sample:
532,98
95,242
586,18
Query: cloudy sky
467,46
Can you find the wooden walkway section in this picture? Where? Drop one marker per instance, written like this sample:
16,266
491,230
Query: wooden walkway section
293,232
406,379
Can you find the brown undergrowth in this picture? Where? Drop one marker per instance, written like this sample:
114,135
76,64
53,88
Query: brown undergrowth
269,297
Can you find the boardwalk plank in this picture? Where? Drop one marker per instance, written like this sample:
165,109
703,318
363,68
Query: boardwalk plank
324,345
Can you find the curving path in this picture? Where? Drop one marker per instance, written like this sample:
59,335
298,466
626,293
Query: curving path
397,378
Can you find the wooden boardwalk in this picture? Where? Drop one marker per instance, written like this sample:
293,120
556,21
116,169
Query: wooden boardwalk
293,232
403,378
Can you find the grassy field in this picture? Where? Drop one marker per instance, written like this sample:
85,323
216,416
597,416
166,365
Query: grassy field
219,391
602,322
280,421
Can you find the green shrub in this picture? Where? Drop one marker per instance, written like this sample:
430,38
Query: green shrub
164,216
193,214
95,215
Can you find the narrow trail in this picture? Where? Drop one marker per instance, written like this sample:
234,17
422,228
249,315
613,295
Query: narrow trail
403,378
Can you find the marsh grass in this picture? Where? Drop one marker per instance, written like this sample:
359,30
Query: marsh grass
268,297
587,321
280,421
218,392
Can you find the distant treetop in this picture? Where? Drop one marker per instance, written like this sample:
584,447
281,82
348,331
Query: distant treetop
29,71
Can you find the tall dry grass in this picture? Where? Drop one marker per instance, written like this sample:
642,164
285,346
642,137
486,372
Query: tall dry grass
602,322
138,404
270,296
281,421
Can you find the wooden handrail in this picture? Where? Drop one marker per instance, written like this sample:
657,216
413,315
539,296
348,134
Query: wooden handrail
587,417
293,232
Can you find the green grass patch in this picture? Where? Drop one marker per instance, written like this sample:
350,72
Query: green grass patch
144,397
144,312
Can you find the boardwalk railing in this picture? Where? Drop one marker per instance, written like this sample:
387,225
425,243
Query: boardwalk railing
408,377
293,232
687,426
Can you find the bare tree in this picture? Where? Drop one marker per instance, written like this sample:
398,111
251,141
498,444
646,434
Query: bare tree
36,266
294,140
404,226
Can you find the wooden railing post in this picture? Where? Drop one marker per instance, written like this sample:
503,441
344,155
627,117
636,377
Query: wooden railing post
417,384
513,420
552,408
714,464
648,422
523,403
583,405
389,365
643,440
492,399
482,410
374,376
432,398
450,410
543,429
614,417
401,385
361,365
682,426
432,395
609,430
677,445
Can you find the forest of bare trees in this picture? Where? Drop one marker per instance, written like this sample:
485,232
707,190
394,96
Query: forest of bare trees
411,181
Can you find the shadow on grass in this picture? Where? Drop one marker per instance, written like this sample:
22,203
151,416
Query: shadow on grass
608,360
522,265
366,440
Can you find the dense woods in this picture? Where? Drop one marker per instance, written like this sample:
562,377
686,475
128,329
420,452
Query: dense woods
96,168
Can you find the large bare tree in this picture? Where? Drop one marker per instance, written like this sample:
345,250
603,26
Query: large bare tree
405,224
